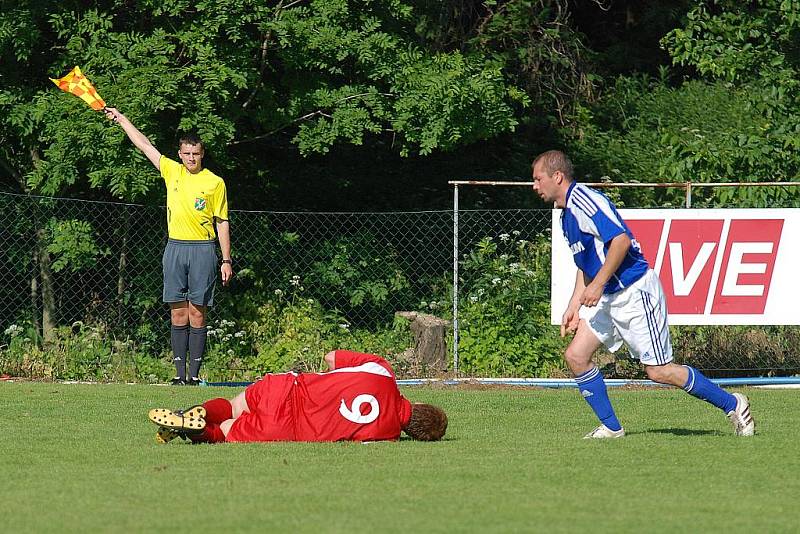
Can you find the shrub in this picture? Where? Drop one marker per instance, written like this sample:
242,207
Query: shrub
504,309
79,352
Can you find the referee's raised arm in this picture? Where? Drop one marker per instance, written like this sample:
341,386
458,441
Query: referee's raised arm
137,138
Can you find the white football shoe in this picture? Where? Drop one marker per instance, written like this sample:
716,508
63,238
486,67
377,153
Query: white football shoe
742,421
602,432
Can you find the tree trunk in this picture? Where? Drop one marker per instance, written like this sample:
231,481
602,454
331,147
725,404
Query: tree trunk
37,324
123,262
48,288
430,348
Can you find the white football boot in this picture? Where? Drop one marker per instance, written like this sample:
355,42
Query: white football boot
742,421
602,432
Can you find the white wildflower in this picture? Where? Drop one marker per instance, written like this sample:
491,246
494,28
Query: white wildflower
14,330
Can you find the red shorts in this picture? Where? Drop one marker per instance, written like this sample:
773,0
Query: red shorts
271,417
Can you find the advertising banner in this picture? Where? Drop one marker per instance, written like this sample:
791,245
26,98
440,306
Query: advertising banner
717,267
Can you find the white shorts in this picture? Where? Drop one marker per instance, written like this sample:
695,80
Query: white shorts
636,315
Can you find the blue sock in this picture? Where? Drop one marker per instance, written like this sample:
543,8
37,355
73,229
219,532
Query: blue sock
697,385
594,392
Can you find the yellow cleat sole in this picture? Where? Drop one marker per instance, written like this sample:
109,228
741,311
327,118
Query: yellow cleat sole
191,421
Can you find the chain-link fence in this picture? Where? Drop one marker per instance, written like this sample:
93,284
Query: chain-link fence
304,278
69,265
504,290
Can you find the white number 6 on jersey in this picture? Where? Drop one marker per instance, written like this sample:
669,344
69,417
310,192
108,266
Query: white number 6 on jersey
354,412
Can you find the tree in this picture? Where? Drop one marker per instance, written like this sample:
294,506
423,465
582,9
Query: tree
737,120
238,71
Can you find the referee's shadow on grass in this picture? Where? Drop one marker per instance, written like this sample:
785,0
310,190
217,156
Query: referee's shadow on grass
680,432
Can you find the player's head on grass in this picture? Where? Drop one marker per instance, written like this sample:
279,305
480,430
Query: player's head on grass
427,423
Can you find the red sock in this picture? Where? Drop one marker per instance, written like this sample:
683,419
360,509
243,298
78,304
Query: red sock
218,410
212,433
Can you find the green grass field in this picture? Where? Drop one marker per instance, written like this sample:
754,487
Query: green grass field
82,458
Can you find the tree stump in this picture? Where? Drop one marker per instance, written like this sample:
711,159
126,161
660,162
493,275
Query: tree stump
430,350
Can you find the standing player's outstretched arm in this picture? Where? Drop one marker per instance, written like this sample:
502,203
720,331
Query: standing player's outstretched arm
137,138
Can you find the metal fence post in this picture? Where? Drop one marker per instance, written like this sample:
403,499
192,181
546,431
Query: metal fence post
455,279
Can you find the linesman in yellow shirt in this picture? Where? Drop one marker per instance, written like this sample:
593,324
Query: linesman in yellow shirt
197,203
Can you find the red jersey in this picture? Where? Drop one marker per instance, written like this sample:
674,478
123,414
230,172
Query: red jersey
356,401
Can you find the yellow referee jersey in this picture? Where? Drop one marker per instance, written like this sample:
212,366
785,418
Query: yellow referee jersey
193,200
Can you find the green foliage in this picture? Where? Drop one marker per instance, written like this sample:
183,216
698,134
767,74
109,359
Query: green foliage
542,50
327,72
720,350
73,246
358,273
290,330
647,131
79,352
504,311
737,123
740,42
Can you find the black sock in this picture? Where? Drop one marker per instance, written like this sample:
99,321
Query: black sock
179,338
197,346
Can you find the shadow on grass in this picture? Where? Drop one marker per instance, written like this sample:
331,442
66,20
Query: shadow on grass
682,432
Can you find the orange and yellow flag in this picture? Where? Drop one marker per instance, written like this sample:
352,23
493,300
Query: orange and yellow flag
77,84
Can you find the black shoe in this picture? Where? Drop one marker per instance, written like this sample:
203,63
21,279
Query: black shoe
193,382
178,381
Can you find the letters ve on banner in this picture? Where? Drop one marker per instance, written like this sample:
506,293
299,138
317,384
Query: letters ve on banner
733,266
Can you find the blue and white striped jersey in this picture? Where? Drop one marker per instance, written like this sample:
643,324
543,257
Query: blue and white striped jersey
589,222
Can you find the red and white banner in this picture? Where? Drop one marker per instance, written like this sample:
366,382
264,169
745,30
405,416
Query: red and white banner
725,266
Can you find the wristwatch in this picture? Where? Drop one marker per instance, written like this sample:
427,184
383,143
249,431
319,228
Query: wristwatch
229,262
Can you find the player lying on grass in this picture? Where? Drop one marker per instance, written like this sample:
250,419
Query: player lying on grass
617,298
356,400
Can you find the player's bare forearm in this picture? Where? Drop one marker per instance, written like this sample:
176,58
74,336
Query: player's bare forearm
330,360
138,139
616,254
